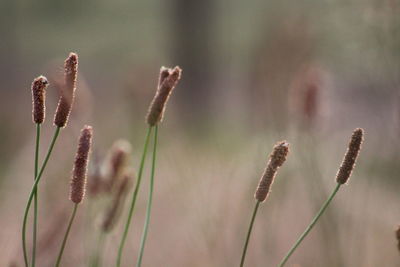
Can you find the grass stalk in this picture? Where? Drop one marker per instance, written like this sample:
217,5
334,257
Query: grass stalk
134,197
35,196
34,187
310,226
96,258
249,233
71,220
149,203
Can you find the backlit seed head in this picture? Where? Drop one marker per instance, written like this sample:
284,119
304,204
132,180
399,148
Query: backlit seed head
67,92
167,81
79,172
39,86
350,157
276,160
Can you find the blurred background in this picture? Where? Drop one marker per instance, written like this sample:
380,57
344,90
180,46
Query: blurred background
254,72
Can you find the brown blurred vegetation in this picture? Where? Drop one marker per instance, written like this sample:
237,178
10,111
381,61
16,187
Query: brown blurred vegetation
254,72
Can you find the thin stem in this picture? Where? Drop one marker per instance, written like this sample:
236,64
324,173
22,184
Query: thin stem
249,233
96,258
308,229
66,235
35,196
149,203
134,196
28,205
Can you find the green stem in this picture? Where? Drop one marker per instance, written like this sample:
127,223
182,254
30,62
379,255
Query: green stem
35,196
249,233
134,196
66,235
34,187
149,203
308,229
96,258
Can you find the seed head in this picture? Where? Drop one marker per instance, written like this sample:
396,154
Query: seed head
350,157
79,172
119,155
39,86
111,215
67,91
276,159
167,81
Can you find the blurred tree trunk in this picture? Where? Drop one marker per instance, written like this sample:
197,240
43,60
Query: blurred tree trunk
191,38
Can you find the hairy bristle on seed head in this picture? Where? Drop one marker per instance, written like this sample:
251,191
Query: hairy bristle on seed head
67,91
39,86
79,172
167,81
350,157
111,215
276,160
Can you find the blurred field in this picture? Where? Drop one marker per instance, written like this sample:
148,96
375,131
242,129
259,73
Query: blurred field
254,73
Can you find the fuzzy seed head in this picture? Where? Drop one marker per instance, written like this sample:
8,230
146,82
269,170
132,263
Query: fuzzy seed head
39,86
350,157
118,158
167,81
67,91
276,160
164,73
79,172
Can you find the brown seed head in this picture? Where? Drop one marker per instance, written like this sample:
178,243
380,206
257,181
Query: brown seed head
276,159
79,172
112,213
164,73
39,86
349,160
167,81
67,91
119,156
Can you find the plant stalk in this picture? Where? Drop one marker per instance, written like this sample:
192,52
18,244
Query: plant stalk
35,196
310,226
249,233
96,258
149,203
134,196
71,220
34,187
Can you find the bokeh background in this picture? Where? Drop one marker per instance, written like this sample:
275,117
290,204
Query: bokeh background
254,72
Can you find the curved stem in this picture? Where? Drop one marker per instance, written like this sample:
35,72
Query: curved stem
35,196
149,203
71,220
134,196
249,233
28,205
308,229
